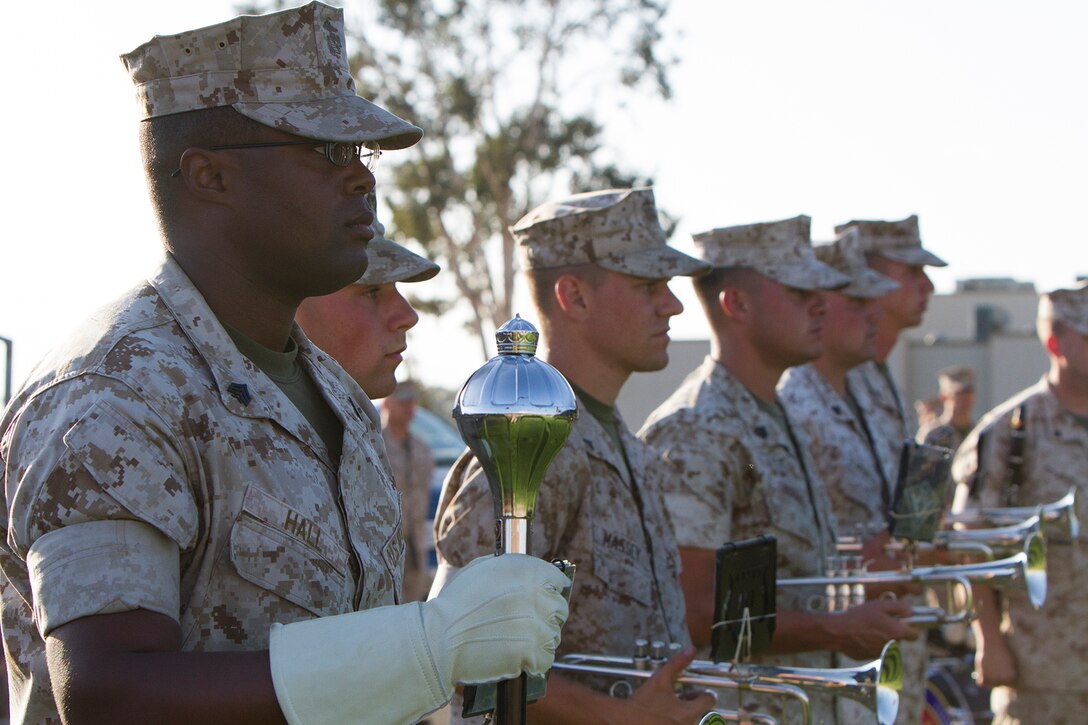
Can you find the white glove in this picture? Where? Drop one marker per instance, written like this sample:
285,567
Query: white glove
499,617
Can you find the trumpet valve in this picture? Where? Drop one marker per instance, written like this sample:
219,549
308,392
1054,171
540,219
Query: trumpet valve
642,654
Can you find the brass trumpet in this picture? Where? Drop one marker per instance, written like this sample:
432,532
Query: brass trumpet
1026,569
1061,513
875,684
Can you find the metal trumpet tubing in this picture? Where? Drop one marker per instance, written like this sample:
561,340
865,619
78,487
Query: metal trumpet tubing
1061,513
875,684
1024,570
993,543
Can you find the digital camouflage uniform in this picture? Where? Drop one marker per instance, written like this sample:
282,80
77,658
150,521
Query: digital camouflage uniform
413,465
738,475
890,421
840,450
588,512
835,438
944,435
150,465
1050,645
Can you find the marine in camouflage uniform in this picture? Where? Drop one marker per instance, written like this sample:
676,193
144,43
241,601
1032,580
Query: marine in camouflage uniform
742,469
197,500
833,429
600,503
893,248
957,394
1048,645
364,327
413,467
151,465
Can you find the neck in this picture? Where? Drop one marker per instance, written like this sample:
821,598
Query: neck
1071,391
587,371
886,337
744,364
397,431
833,372
236,298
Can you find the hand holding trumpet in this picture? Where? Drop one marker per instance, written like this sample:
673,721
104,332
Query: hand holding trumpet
862,631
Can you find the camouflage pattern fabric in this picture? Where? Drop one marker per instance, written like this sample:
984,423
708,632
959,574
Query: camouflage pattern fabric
944,435
853,474
617,229
389,262
1067,305
780,250
413,465
1050,644
1038,707
737,476
287,70
150,465
840,450
627,586
899,241
889,421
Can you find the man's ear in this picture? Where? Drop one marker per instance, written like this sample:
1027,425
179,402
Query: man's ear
202,172
1053,345
735,303
573,296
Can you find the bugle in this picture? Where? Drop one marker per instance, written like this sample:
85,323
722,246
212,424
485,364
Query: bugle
875,684
991,543
1057,513
1025,569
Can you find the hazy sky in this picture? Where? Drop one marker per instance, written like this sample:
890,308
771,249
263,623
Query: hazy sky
971,113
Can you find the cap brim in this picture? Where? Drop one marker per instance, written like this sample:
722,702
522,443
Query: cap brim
655,263
870,284
914,256
813,275
342,118
390,262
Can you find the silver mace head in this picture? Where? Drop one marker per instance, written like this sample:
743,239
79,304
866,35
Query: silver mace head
515,413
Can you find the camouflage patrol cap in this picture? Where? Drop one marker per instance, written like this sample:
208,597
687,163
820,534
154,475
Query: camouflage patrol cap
898,241
617,229
390,262
287,70
845,255
956,379
1067,305
780,250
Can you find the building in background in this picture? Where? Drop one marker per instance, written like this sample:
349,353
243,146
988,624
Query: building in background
988,324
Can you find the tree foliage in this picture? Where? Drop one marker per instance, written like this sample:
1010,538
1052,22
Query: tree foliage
488,81
505,92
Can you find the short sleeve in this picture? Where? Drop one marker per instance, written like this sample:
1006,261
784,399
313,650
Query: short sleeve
697,489
102,567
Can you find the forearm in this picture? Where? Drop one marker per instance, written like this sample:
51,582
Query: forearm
571,703
800,632
167,687
987,621
697,583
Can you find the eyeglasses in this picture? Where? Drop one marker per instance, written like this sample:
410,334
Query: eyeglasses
338,152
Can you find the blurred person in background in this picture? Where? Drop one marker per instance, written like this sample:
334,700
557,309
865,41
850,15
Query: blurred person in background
413,466
1033,449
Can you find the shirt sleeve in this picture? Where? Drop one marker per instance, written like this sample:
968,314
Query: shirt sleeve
99,503
698,491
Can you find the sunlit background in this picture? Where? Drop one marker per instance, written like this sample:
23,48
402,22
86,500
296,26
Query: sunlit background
970,113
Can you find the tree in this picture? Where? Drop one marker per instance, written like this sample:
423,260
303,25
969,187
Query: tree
495,86
487,80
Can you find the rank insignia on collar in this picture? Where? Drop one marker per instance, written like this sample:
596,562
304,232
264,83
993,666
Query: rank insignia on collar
240,391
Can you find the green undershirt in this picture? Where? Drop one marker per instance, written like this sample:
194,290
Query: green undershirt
287,373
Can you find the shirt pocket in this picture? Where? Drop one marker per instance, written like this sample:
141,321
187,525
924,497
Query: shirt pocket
279,550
